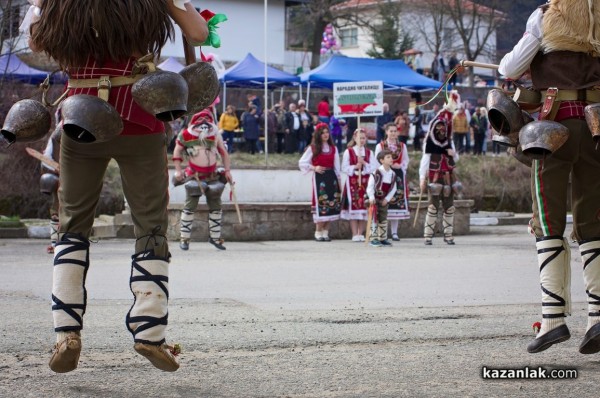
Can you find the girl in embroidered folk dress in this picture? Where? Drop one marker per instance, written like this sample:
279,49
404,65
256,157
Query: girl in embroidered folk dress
322,158
357,163
398,207
96,39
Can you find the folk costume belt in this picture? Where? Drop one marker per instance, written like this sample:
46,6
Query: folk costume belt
554,96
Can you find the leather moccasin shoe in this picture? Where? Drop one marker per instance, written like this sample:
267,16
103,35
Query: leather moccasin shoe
555,336
65,355
591,341
161,356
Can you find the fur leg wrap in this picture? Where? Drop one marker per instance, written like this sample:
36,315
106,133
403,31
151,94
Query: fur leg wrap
448,221
54,232
430,221
214,224
554,260
149,283
69,297
187,218
590,254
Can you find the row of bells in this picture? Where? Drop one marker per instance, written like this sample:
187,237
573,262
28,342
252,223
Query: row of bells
87,118
527,138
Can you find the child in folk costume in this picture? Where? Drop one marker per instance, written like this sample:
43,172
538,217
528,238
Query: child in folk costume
322,158
357,163
380,190
98,42
398,207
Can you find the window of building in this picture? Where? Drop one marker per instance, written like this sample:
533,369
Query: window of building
349,37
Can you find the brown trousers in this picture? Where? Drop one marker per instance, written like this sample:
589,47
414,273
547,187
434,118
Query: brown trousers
142,161
550,182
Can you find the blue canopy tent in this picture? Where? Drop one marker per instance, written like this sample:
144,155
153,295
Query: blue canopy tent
395,74
12,68
250,72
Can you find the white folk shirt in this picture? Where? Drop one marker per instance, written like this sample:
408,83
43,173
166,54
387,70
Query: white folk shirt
368,168
516,62
389,177
305,162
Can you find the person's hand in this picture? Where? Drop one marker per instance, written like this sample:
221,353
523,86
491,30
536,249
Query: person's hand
384,202
534,24
423,186
179,175
319,169
229,177
450,152
396,166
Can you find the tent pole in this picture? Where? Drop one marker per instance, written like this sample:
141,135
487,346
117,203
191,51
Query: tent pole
307,94
266,107
281,94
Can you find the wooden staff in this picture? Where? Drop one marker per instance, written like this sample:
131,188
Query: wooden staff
189,51
45,159
369,222
418,207
235,202
465,64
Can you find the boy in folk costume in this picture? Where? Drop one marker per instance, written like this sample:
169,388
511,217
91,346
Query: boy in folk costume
321,158
380,190
357,163
398,206
562,36
437,166
202,143
99,43
49,184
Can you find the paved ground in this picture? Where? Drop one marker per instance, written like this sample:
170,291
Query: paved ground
301,319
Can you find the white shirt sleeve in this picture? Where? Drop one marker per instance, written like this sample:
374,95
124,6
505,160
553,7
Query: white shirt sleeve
371,188
305,162
377,150
516,62
33,14
336,162
424,166
392,192
455,157
347,168
373,163
405,160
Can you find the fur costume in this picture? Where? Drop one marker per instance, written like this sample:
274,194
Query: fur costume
572,25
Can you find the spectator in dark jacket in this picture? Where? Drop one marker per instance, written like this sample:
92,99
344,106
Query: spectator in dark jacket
382,120
251,125
292,130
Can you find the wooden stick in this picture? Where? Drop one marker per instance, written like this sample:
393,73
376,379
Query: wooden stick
40,156
418,207
466,63
235,202
369,222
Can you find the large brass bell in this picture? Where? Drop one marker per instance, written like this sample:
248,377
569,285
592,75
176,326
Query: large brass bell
203,85
27,121
504,113
162,94
542,138
87,118
512,139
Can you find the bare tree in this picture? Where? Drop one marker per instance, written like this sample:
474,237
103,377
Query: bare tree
389,39
430,23
475,25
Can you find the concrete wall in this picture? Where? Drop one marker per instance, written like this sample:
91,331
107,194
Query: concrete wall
286,221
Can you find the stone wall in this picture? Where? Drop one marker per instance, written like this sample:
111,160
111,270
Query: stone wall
286,221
